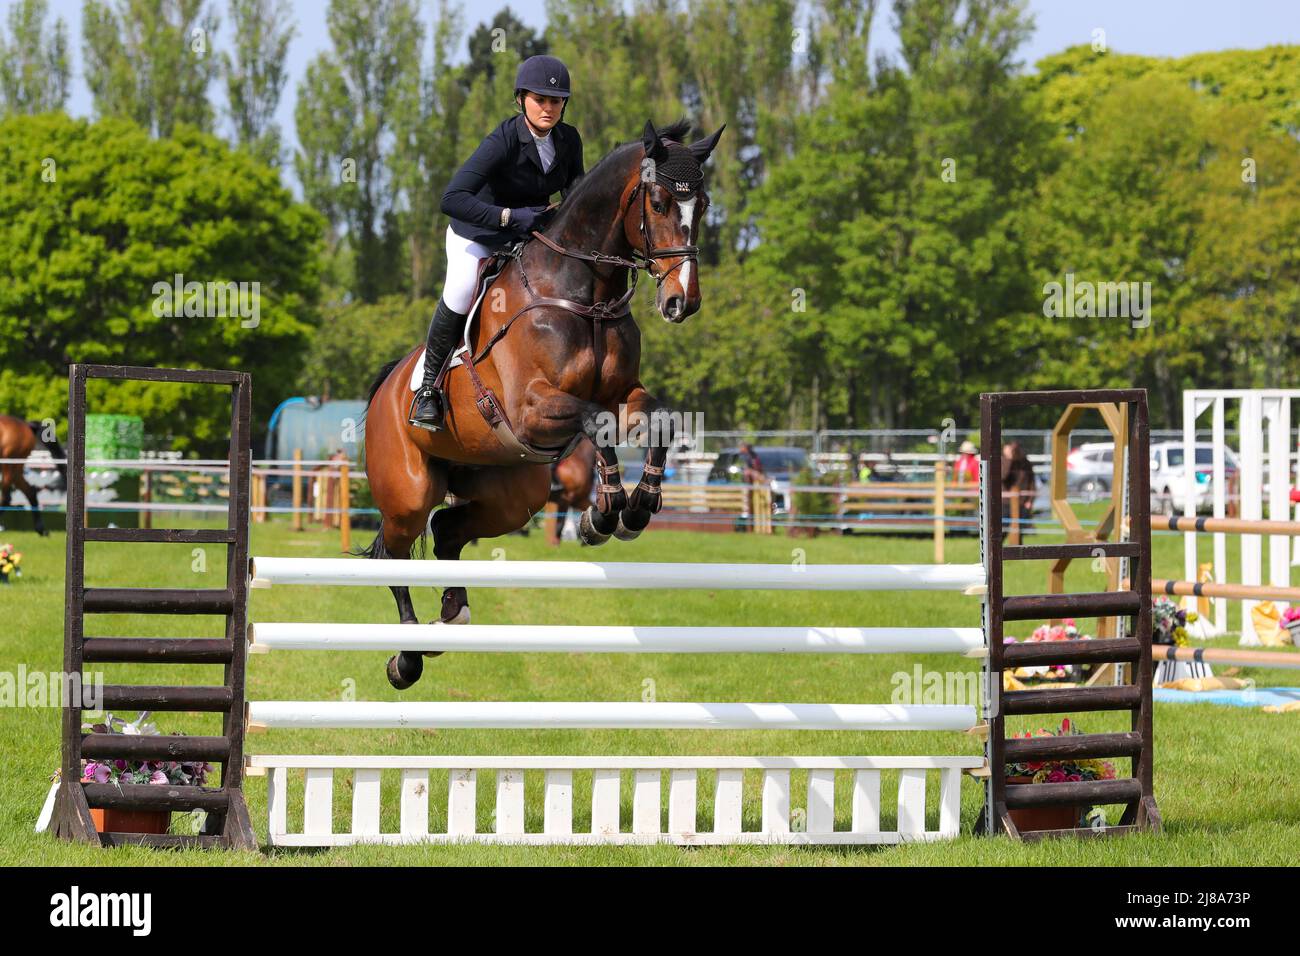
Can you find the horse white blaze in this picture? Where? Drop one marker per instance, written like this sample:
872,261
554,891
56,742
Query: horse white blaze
687,211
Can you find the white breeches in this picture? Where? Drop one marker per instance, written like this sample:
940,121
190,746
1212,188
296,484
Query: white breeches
462,271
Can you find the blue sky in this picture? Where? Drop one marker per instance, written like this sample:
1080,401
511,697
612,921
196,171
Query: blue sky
1152,27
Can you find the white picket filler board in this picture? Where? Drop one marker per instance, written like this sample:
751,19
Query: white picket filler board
645,826
267,572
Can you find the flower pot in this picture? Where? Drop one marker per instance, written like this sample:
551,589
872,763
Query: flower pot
1029,819
131,821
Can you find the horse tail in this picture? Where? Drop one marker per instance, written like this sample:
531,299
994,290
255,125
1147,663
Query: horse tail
379,380
375,549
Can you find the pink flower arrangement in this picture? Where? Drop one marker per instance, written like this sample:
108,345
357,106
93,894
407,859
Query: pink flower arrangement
1060,771
1067,630
187,773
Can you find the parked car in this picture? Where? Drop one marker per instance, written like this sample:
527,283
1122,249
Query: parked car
780,464
1168,476
1089,470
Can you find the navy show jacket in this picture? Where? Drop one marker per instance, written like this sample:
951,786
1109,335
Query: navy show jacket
506,172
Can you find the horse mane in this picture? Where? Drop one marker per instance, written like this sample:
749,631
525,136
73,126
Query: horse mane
673,132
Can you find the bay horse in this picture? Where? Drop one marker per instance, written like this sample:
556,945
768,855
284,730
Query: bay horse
569,367
18,438
571,482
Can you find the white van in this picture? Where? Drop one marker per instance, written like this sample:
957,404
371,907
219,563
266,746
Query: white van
1168,481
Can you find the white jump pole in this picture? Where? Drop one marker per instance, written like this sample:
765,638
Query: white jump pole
1252,487
580,574
615,639
615,715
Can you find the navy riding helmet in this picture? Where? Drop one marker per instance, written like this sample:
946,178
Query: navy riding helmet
545,76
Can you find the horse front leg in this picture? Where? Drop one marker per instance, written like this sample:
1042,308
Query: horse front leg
600,520
646,499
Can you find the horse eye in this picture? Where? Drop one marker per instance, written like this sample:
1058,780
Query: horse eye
658,205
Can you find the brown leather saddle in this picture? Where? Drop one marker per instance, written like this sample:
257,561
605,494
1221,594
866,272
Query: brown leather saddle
485,400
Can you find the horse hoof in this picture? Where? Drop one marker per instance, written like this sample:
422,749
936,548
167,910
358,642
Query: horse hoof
403,677
587,532
631,522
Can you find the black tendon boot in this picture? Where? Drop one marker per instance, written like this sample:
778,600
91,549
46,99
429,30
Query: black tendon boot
429,406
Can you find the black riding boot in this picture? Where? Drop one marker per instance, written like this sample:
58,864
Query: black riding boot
428,407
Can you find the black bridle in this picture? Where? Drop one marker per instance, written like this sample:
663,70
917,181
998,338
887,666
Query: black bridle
690,253
640,259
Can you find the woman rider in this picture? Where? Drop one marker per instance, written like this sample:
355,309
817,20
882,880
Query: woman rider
498,197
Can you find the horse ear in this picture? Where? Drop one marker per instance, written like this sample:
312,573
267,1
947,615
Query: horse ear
654,147
701,149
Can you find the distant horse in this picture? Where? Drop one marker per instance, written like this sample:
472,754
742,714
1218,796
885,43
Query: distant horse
520,401
571,481
17,440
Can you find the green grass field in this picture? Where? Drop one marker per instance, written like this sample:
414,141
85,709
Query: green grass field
1224,776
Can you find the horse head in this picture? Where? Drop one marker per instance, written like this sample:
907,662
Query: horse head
662,215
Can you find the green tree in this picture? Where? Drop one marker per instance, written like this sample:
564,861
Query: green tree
1070,81
889,260
740,72
427,152
34,68
151,61
619,78
355,339
490,40
255,76
345,117
98,219
1196,197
